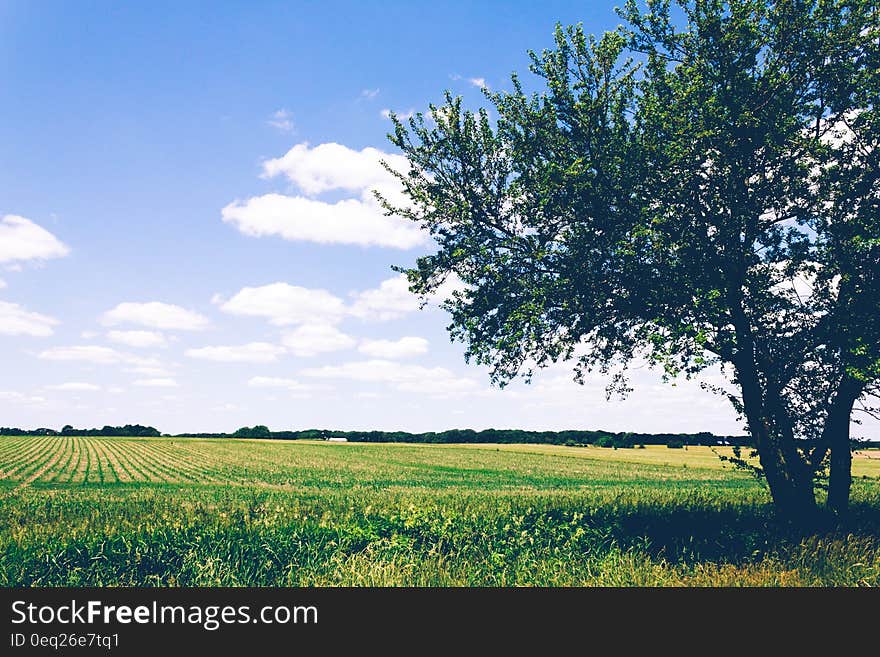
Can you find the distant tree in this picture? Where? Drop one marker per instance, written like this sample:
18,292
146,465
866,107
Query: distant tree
691,191
259,431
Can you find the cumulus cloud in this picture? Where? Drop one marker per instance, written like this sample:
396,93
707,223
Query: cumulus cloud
440,386
358,220
157,383
296,389
149,370
406,378
75,386
392,299
22,239
394,349
88,353
15,320
331,166
281,120
314,339
20,398
138,338
155,314
97,355
278,382
296,218
254,352
284,304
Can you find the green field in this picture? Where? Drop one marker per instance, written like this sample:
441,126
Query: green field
186,512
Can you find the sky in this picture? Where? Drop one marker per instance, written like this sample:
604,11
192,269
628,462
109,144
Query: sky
187,232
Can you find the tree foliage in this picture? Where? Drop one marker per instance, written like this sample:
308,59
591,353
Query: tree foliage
258,431
697,187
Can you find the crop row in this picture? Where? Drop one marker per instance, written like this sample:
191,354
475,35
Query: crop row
94,460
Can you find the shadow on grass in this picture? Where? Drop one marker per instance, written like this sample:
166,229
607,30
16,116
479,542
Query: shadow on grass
737,534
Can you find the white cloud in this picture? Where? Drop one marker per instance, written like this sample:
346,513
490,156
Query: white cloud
369,94
296,389
225,408
403,116
254,352
407,378
149,370
331,166
75,386
157,383
22,239
348,221
440,387
314,339
20,398
282,120
2,284
358,220
155,314
15,320
392,299
276,382
137,338
88,353
97,355
284,304
476,82
394,349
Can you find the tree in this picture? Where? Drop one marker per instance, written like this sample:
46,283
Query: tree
258,431
698,187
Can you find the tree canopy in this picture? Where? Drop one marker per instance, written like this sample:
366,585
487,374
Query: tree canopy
697,187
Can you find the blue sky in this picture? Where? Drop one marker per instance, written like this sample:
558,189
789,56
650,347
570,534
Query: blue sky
189,236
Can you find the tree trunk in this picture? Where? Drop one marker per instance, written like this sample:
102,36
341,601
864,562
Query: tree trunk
789,479
793,494
788,476
840,477
837,436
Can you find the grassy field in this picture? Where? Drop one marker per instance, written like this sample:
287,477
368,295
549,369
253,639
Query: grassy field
189,512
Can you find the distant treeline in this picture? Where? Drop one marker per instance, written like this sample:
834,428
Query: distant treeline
569,437
136,430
